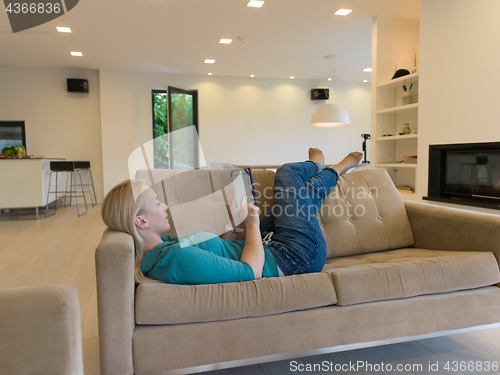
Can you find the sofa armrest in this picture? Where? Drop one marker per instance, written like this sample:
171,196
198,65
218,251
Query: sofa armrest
443,228
115,301
40,330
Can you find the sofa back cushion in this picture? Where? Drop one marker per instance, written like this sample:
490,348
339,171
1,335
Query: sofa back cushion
364,213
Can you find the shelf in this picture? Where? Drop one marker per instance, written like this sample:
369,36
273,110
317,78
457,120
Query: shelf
396,165
398,109
396,137
405,80
406,192
410,196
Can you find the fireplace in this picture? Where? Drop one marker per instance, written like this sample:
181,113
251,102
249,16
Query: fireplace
466,173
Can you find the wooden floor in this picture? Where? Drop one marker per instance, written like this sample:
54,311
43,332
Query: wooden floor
60,250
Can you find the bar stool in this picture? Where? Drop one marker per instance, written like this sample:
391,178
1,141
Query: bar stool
68,167
85,165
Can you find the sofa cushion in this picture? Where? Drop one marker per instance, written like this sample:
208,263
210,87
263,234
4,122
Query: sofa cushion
162,303
364,213
409,272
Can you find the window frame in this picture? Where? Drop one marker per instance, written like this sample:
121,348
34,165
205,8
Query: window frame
169,91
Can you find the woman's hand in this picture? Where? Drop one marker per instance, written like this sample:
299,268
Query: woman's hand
250,212
248,217
233,212
240,217
253,251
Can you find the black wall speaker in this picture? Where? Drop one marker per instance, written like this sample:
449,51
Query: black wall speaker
320,94
78,85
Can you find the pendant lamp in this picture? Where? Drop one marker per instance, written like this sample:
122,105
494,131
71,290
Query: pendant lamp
330,115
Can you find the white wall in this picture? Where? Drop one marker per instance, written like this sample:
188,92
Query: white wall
392,38
459,75
117,115
241,120
58,123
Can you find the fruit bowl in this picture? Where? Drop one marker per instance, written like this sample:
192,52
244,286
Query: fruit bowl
13,152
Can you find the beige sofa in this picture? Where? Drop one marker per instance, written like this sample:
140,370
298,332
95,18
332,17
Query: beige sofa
395,271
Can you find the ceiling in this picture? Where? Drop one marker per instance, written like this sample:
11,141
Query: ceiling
283,38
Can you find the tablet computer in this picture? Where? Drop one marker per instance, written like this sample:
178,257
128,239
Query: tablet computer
242,180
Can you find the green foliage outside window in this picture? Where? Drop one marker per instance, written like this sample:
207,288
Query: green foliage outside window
183,153
160,109
182,116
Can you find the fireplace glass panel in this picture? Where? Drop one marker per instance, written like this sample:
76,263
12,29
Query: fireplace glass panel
472,173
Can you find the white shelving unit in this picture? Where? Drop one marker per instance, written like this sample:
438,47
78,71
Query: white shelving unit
391,115
394,38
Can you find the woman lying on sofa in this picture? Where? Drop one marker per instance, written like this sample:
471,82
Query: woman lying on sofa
293,242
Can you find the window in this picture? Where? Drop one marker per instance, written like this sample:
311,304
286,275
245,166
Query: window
160,128
175,109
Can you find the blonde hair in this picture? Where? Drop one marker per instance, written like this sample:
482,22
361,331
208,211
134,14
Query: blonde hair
119,210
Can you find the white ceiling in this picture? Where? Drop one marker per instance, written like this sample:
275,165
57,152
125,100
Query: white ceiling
281,39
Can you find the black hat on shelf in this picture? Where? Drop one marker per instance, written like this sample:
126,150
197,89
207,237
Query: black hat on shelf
400,73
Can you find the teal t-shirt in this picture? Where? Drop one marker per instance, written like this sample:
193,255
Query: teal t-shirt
201,258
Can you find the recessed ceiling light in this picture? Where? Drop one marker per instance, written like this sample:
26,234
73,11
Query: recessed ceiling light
252,75
209,74
76,54
63,29
365,80
343,12
329,79
255,3
225,41
209,61
367,70
292,77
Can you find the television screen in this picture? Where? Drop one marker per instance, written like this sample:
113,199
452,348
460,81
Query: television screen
12,133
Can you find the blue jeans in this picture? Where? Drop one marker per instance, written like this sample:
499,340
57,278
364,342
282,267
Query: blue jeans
297,243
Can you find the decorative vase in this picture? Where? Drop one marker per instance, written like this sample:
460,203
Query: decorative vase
406,129
407,97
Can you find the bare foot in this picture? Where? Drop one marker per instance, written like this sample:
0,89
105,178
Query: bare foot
315,154
353,158
348,162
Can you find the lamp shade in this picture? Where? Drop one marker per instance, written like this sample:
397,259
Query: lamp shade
330,115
